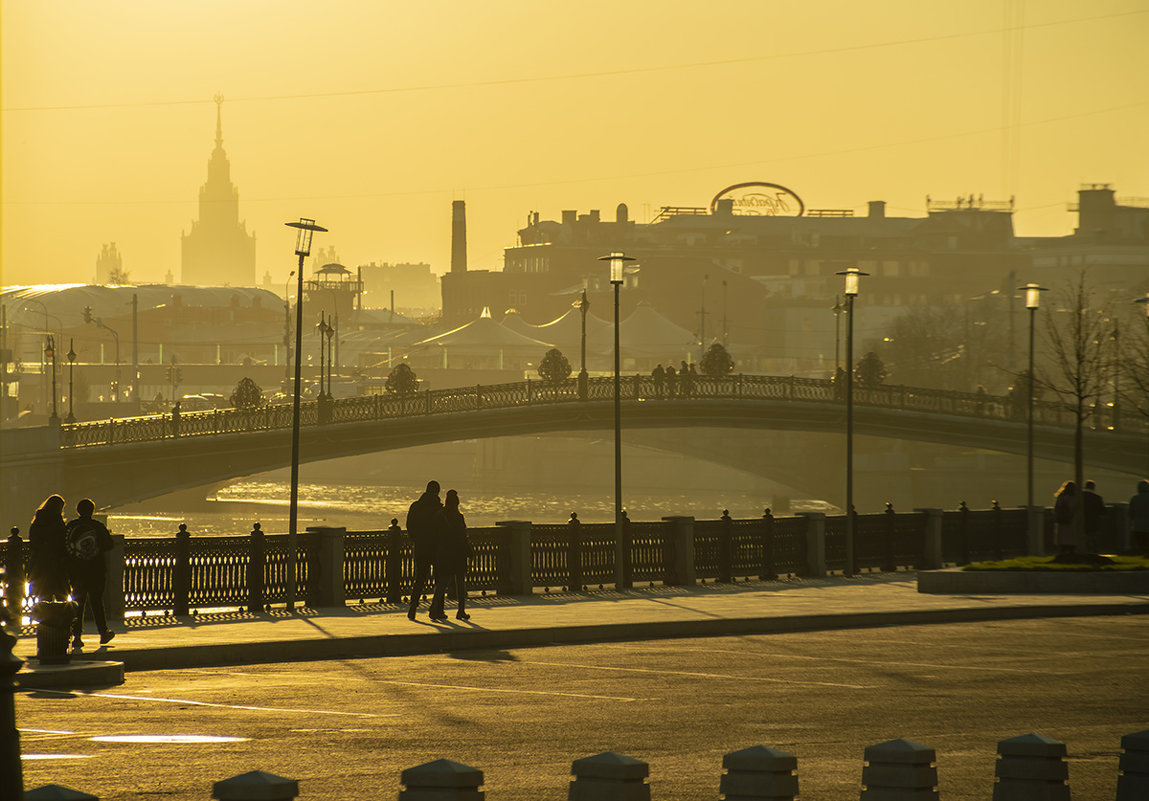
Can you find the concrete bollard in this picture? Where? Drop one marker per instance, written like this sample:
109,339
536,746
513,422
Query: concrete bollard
609,776
1031,767
899,770
57,792
255,786
759,773
1133,783
442,780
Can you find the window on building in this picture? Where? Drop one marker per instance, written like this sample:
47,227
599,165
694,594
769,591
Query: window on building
813,267
891,268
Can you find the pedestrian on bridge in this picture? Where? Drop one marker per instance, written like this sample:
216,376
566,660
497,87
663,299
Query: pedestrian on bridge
1093,505
659,375
86,541
452,549
420,526
671,381
47,568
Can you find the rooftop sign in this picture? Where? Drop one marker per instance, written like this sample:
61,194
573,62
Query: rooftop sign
758,199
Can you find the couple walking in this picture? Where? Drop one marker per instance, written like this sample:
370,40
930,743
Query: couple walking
439,533
70,556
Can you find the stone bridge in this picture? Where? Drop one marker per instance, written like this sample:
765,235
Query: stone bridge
132,459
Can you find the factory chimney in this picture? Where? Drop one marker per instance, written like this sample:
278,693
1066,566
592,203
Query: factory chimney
458,236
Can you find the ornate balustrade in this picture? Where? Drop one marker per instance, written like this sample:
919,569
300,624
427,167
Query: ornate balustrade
187,573
507,396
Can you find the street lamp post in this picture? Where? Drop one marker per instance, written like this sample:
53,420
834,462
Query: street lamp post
71,368
322,327
306,229
1145,305
837,308
1032,301
853,275
583,379
50,357
617,263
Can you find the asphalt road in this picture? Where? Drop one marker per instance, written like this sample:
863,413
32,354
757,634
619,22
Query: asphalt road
346,729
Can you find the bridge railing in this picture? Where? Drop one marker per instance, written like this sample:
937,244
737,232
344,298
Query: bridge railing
511,395
182,574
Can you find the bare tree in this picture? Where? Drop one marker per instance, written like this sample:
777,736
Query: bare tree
1134,368
1078,368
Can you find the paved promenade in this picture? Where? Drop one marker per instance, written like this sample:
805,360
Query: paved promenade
370,630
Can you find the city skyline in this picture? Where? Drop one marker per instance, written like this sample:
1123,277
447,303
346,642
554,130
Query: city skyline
371,121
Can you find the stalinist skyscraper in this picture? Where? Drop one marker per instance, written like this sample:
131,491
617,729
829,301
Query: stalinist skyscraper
218,250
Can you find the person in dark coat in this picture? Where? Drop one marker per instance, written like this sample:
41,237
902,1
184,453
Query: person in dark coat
659,375
47,568
451,552
1094,507
420,526
671,380
1065,504
1139,517
86,542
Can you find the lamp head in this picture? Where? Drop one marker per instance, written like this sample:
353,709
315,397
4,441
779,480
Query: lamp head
852,275
617,262
1032,294
303,240
71,350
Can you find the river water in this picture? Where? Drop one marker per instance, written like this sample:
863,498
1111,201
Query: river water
232,509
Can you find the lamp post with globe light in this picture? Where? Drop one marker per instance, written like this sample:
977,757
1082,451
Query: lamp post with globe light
1032,298
306,228
583,305
852,275
617,263
71,418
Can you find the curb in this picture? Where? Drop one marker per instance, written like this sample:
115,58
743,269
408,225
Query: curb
382,645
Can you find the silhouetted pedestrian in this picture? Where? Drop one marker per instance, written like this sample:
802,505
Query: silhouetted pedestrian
1139,516
1065,505
684,383
659,376
452,549
1093,506
176,419
420,525
671,381
47,567
86,541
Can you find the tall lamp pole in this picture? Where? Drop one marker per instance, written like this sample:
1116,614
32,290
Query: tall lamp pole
1032,301
287,325
71,418
583,380
302,249
50,358
837,308
853,275
617,263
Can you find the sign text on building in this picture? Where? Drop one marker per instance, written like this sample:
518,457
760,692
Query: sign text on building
759,199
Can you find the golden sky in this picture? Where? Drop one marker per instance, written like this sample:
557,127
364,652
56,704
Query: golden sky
372,116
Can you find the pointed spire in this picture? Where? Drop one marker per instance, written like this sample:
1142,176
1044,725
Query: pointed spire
218,120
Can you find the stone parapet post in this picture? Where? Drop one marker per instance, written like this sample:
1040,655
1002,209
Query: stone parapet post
609,777
1133,783
1035,530
114,586
393,563
815,543
931,556
1032,767
759,773
326,553
679,568
515,557
255,786
899,770
181,573
442,780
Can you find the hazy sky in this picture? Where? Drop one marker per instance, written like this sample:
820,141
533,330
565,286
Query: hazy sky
372,116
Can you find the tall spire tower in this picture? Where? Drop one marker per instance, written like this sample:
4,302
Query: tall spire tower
218,250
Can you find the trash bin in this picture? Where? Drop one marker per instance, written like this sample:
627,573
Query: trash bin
53,631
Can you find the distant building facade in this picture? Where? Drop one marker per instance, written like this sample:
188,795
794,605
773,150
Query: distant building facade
110,266
414,286
218,250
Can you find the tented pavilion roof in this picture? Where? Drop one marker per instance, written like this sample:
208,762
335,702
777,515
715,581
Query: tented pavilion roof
566,331
486,333
648,334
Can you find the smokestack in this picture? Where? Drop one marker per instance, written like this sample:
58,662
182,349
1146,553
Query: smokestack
458,236
877,209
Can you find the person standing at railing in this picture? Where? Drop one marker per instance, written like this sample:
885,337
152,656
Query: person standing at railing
671,381
47,568
176,419
1066,503
659,375
420,525
1093,505
86,542
452,549
684,383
